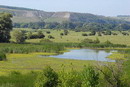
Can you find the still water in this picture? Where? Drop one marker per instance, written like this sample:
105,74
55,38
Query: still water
86,54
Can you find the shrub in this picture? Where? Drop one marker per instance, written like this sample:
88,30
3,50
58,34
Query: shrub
99,34
61,34
2,56
90,78
47,78
84,34
51,37
45,41
97,41
108,42
87,41
48,32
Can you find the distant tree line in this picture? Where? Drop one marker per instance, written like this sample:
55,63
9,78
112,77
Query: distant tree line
77,26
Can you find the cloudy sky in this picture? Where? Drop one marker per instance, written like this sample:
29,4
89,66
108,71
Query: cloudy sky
99,7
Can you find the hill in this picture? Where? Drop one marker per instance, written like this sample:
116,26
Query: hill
26,15
124,17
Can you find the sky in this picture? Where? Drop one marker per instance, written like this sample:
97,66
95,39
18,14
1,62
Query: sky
98,7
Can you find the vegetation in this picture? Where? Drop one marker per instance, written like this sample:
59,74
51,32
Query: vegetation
2,56
19,36
5,27
76,26
26,57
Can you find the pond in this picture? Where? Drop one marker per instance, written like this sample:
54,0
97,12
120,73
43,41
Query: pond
86,54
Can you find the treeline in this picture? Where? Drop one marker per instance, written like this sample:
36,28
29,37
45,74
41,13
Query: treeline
73,25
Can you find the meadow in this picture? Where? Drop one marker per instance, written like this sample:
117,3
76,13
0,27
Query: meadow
76,37
24,61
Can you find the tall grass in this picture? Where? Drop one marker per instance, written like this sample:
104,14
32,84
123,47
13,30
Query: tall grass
49,47
28,48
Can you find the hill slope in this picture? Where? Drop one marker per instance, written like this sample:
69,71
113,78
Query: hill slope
26,15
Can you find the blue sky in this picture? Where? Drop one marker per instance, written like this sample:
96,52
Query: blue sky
99,7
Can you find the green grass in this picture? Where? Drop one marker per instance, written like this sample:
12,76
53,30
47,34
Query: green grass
33,62
76,37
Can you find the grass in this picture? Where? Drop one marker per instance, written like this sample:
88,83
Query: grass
76,37
117,56
25,63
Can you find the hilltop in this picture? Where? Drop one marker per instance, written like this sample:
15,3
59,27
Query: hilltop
27,15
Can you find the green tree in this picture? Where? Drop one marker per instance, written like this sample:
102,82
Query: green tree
29,34
5,27
19,36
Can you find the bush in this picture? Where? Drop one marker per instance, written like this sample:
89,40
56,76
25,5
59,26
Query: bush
51,37
2,56
90,77
84,34
45,41
61,34
87,40
48,32
47,78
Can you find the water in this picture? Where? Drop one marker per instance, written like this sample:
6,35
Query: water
86,54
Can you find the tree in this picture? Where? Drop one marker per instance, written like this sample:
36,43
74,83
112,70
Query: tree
5,27
19,36
29,34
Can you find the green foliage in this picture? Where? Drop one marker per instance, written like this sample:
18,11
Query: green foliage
51,37
66,32
92,33
48,32
29,34
108,42
90,77
19,36
40,34
96,41
70,79
2,56
45,41
47,78
108,32
84,34
5,27
29,48
86,41
16,79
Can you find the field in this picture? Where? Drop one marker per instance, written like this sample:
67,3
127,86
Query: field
76,37
26,63
29,60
